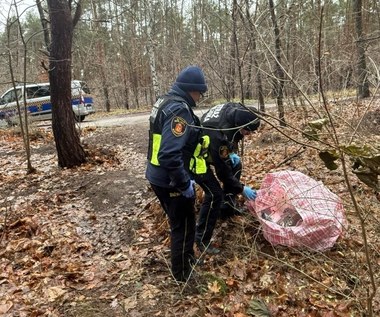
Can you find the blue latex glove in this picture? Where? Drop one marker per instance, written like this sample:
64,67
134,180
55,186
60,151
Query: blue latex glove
249,193
189,192
235,159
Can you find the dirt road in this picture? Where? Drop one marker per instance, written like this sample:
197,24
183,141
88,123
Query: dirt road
127,119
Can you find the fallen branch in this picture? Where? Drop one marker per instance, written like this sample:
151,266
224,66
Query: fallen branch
4,227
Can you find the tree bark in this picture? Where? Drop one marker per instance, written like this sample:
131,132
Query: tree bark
100,47
237,51
230,93
254,60
363,84
279,81
152,61
23,120
44,23
69,150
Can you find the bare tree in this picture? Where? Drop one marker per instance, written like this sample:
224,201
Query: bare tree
101,53
22,113
363,84
280,76
230,93
152,61
44,23
254,60
235,14
69,150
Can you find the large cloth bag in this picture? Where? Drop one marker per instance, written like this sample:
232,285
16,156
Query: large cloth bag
298,211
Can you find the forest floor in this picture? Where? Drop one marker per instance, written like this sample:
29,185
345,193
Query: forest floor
93,240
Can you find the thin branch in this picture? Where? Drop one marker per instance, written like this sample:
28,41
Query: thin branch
297,153
371,294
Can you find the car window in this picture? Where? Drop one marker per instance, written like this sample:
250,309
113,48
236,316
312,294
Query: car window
43,91
85,87
38,91
12,95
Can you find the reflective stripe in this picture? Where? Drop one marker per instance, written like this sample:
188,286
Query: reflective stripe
198,163
156,148
80,99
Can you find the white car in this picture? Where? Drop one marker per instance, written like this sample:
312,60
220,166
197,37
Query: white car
38,102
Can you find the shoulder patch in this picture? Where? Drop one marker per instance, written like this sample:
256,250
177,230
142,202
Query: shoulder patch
223,151
179,126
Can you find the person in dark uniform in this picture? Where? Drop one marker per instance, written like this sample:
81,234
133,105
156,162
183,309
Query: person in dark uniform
225,125
173,136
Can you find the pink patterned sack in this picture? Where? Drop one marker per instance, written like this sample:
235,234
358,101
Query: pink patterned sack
297,211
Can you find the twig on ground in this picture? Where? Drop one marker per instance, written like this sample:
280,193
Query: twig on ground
4,229
303,273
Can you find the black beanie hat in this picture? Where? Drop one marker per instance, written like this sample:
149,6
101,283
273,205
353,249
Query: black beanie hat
244,115
191,78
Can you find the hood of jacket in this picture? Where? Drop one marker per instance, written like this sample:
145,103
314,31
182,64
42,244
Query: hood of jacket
176,91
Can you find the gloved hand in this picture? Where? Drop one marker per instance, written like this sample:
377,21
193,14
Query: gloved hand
189,191
235,159
249,193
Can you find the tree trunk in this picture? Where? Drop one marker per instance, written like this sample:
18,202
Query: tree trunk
125,88
363,84
69,150
255,62
152,61
230,93
45,24
279,81
23,120
103,77
100,47
237,52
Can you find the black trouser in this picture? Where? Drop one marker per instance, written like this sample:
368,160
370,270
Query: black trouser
228,207
180,211
210,209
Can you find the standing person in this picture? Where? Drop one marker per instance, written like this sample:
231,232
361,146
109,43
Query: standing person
173,136
225,125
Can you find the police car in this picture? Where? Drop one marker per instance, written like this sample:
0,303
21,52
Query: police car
38,104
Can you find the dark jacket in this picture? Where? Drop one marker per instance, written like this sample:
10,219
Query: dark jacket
227,119
177,146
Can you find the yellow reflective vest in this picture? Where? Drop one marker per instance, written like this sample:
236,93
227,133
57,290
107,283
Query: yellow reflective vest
198,164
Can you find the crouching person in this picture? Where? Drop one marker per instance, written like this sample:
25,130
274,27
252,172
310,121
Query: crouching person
225,125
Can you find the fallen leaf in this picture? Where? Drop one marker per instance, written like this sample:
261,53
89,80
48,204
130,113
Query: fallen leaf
214,287
54,292
149,291
130,302
266,280
5,307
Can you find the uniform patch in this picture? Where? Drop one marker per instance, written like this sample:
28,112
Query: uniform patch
178,126
223,151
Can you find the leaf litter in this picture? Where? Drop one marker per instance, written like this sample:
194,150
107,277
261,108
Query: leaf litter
93,241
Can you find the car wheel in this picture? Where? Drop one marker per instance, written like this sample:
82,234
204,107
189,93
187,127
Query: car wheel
79,118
